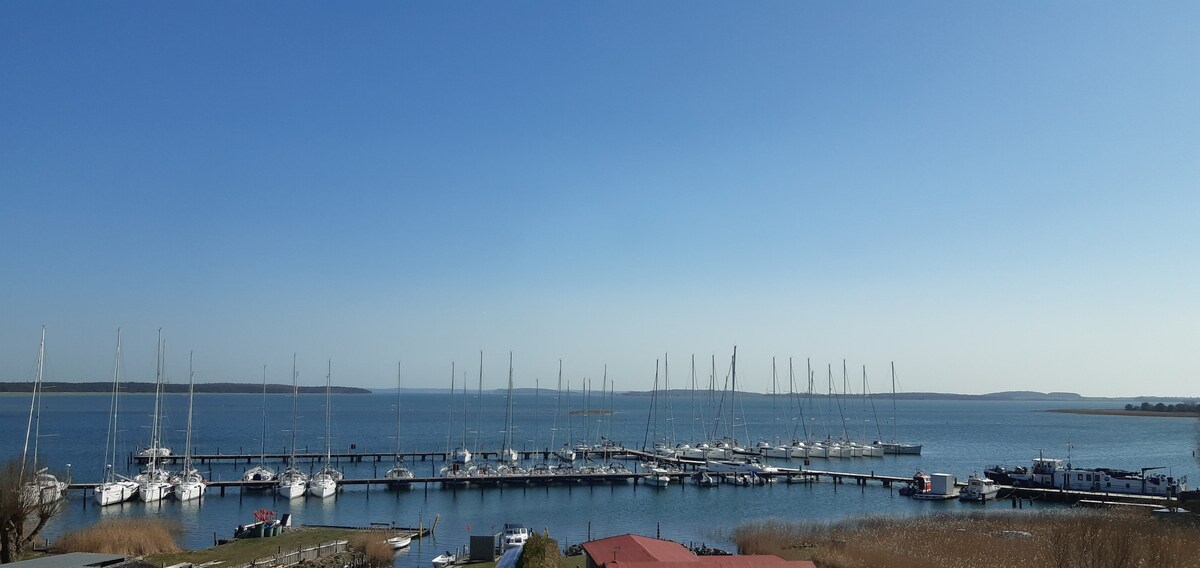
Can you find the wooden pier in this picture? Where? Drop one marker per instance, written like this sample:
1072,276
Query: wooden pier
355,456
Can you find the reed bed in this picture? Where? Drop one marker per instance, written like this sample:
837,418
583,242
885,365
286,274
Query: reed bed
133,537
374,547
1072,540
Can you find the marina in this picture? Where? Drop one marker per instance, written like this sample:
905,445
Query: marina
582,497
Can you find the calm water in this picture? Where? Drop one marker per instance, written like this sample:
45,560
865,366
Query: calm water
960,437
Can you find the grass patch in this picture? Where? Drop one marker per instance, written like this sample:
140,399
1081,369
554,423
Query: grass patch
250,549
134,537
1072,540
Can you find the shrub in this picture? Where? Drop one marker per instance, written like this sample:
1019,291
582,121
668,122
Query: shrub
540,551
374,547
134,537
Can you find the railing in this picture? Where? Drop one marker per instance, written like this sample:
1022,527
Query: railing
297,556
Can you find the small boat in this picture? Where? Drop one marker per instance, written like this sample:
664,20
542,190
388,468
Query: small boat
399,541
979,489
703,479
515,535
444,560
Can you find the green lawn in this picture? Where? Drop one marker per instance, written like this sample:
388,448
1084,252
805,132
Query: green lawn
246,550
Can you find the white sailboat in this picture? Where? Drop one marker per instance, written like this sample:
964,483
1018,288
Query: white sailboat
154,484
292,482
509,459
115,488
566,453
324,483
399,475
261,472
188,484
44,487
892,446
454,474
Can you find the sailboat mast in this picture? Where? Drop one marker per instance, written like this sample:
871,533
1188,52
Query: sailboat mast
479,414
508,415
156,417
397,409
187,441
894,431
35,407
262,457
328,408
295,395
110,443
450,411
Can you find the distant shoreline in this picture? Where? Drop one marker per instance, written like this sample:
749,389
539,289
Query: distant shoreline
1123,412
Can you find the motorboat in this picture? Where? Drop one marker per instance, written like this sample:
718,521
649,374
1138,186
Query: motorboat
444,560
979,489
515,535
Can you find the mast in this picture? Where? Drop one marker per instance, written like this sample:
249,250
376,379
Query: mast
464,430
894,438
328,409
508,415
557,407
156,418
450,411
187,442
35,407
295,395
479,399
398,410
110,442
262,457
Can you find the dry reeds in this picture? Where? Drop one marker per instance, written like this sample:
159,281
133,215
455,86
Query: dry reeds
134,537
1059,540
374,547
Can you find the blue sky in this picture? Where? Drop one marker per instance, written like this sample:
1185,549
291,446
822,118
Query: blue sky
994,195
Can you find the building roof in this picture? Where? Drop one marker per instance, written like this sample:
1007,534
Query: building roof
633,551
70,560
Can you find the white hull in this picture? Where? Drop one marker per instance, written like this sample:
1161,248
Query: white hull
189,490
658,480
398,542
152,491
322,488
781,452
114,492
293,489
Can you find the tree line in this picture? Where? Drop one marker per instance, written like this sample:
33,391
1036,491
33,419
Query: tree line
1160,407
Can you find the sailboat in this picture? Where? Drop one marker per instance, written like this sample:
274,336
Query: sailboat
398,477
261,472
509,460
115,488
892,446
154,484
292,482
455,474
324,483
189,484
44,487
566,454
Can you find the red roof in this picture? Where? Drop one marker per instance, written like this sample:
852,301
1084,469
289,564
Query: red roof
633,551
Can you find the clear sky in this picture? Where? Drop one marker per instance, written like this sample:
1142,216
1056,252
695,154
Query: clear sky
995,195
